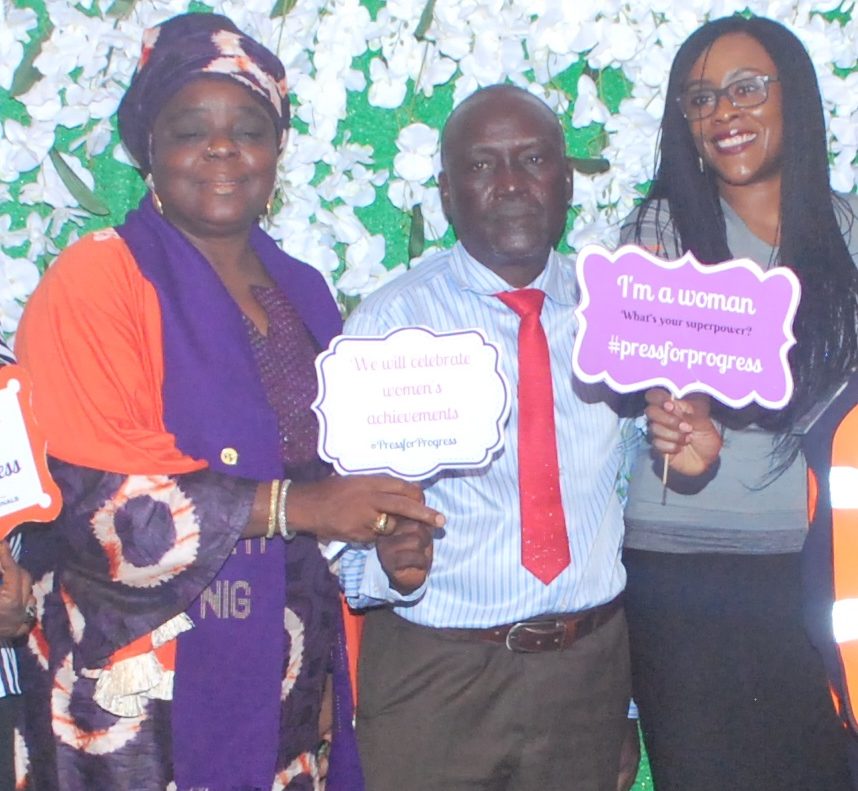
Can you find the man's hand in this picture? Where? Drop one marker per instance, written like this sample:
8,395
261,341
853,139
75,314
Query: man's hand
630,757
16,593
682,430
406,555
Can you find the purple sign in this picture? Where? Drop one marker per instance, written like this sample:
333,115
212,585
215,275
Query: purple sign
723,329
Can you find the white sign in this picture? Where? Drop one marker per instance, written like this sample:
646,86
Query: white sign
27,492
411,403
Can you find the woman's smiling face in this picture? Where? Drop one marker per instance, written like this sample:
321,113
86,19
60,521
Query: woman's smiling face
743,145
214,157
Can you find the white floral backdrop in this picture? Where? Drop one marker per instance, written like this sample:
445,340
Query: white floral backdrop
371,84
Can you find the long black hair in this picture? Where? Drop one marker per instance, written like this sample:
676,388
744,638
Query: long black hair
811,239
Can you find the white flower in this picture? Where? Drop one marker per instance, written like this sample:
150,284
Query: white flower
323,103
18,279
632,142
79,41
344,224
23,148
49,187
35,233
386,89
843,176
409,10
366,252
405,194
356,191
311,245
588,107
418,145
436,70
43,101
121,155
364,268
11,238
100,103
494,58
57,221
434,222
341,36
617,42
15,24
564,29
10,314
591,229
845,132
840,92
96,140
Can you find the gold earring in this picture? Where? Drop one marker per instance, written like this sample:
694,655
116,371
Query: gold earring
156,201
272,202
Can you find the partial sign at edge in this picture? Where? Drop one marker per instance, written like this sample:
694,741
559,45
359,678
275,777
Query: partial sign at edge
27,491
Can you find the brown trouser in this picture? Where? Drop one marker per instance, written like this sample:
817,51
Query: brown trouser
437,713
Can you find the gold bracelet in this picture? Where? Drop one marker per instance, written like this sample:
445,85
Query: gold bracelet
282,524
272,509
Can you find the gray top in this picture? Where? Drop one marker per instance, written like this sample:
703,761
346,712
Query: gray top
741,509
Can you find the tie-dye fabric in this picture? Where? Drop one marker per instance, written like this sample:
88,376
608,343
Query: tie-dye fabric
70,743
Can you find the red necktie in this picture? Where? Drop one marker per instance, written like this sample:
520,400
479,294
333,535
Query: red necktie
544,543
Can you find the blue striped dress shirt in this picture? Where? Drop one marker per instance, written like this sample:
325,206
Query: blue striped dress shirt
9,684
477,579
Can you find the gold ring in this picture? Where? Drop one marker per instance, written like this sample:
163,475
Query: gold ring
380,525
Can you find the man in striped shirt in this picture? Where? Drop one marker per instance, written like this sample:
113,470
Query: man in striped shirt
478,673
16,618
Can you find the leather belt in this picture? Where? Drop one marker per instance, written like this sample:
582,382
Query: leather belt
544,633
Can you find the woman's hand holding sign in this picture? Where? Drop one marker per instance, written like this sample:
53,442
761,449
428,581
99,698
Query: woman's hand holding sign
682,430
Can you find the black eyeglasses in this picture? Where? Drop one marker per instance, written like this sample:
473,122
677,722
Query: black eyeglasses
698,103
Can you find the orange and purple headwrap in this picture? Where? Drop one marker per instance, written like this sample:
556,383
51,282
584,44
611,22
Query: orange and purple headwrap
185,48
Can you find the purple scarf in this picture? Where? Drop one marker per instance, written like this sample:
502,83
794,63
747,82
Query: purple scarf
226,707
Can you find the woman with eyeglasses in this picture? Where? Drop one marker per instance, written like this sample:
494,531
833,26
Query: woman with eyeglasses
731,693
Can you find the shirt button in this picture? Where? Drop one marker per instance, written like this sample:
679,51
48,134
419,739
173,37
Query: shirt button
229,456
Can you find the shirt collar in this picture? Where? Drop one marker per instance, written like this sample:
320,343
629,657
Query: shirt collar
557,280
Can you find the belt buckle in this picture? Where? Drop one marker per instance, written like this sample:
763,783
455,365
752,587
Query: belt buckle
534,637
